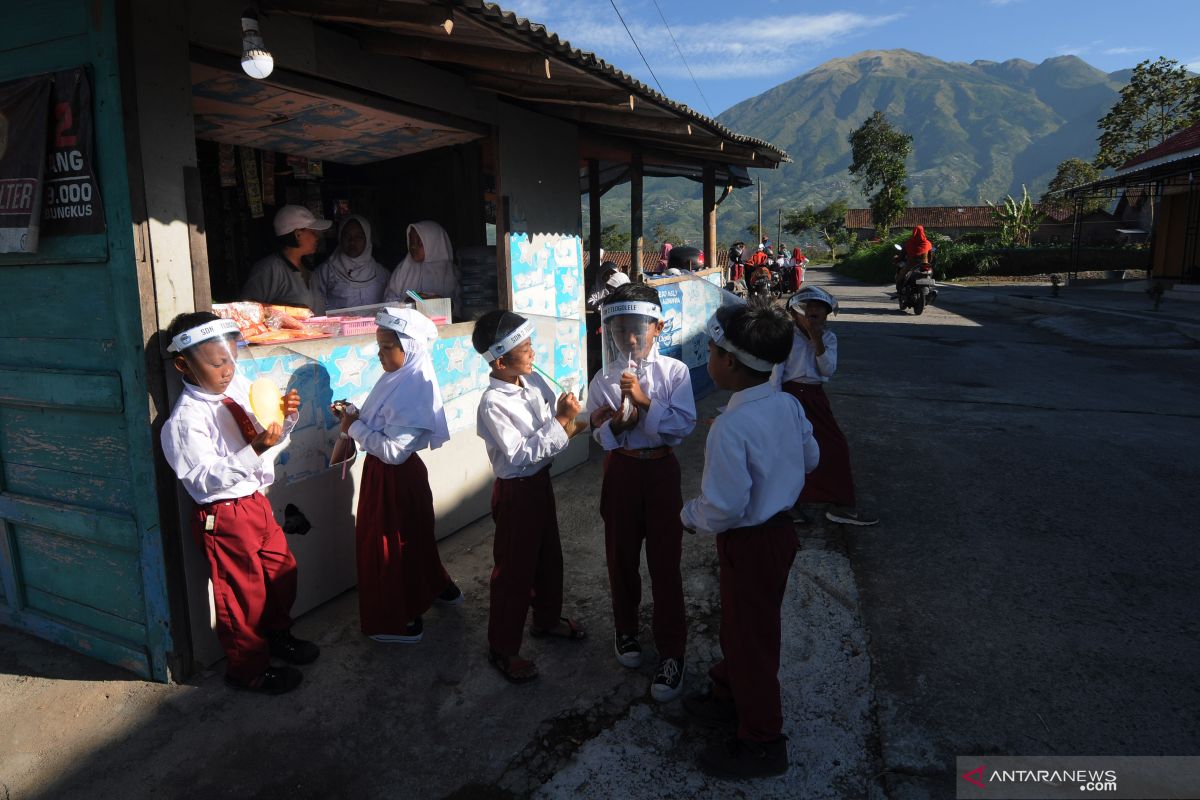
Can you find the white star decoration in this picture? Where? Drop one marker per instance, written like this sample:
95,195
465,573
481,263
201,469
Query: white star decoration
456,357
351,368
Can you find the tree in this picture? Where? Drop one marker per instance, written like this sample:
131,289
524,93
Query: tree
829,222
662,233
878,152
1018,219
755,230
1072,172
611,239
1160,100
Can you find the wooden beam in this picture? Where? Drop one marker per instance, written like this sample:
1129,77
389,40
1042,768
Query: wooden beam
512,61
374,13
636,242
594,224
554,94
710,216
624,122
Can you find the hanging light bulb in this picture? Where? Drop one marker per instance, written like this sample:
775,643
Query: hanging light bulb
257,61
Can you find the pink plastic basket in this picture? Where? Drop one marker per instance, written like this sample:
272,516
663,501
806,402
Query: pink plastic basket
355,326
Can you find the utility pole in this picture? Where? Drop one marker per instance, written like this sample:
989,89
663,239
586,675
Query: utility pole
779,229
758,183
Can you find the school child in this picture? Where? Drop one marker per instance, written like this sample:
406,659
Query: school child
641,497
749,480
810,366
399,571
523,427
224,458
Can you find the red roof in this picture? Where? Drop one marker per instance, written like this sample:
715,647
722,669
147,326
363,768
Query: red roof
649,258
1187,139
930,217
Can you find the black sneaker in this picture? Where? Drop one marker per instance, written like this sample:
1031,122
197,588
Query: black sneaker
668,681
801,517
739,759
711,710
276,680
450,596
413,633
288,648
628,650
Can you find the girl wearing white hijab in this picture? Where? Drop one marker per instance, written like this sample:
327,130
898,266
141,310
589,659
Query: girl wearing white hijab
428,269
351,276
399,571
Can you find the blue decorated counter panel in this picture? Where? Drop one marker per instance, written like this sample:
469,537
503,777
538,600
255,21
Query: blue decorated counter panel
688,301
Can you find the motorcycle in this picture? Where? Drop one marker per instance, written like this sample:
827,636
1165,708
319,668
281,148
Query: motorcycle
916,288
763,282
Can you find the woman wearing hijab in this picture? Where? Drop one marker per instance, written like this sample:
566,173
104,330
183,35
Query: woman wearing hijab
799,261
351,276
399,571
428,269
664,257
916,251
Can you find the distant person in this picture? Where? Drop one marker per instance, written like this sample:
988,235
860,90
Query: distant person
916,250
283,278
749,483
351,276
664,257
812,363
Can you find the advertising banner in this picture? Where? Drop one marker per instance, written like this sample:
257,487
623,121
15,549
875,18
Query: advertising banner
23,117
72,196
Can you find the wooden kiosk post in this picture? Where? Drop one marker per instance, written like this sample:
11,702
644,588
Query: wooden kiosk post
636,242
594,223
710,216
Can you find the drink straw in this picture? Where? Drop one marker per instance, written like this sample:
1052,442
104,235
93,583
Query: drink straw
547,376
416,297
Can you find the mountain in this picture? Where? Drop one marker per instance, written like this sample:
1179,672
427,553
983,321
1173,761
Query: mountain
979,130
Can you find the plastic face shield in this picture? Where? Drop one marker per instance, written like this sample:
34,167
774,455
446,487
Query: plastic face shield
627,335
211,353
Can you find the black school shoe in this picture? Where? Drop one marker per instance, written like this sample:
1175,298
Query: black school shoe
276,680
288,648
450,596
741,759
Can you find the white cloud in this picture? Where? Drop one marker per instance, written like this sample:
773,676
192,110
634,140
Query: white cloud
1002,2
1124,51
726,49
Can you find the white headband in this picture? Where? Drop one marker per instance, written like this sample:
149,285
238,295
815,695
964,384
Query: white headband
717,334
638,307
523,332
407,322
202,333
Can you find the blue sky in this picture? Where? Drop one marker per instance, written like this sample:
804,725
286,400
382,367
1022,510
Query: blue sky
739,48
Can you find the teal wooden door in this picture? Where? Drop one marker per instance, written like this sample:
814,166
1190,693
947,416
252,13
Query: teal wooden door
81,557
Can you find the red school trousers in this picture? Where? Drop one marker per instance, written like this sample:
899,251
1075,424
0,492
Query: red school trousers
399,569
253,578
754,567
640,501
832,481
528,567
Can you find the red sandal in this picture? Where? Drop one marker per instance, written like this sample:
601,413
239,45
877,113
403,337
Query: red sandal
574,631
513,668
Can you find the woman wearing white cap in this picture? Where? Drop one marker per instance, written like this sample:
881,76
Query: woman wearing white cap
428,269
282,277
399,571
351,276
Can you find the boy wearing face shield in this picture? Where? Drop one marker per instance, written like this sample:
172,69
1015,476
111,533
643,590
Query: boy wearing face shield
641,405
224,457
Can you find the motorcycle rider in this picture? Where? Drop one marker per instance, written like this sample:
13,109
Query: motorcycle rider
916,251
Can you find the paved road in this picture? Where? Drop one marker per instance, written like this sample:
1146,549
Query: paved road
1033,586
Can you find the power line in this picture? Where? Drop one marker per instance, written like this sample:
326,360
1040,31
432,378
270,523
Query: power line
684,60
635,47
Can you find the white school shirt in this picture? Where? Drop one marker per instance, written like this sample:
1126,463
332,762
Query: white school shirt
204,445
516,422
392,445
804,365
755,460
672,415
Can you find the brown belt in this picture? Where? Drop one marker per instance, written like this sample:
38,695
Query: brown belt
646,453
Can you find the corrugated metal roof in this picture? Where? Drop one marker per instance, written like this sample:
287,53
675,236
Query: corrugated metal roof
1181,143
549,43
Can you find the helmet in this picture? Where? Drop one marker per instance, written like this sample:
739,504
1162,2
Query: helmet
801,297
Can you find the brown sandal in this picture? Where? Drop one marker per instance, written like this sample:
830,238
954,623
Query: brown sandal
513,668
574,631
